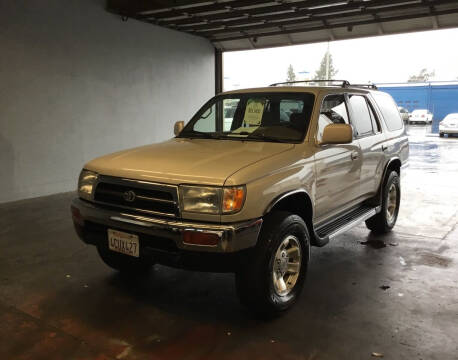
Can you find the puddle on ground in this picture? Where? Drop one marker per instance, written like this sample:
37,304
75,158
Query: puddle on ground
374,243
431,259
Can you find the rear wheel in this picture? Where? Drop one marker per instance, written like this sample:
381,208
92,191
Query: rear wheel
385,220
272,277
441,134
124,263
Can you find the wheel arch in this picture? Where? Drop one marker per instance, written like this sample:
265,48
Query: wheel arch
298,202
393,164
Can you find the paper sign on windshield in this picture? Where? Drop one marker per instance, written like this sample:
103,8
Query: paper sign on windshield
253,112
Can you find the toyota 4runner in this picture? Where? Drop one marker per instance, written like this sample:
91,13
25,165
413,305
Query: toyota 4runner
253,180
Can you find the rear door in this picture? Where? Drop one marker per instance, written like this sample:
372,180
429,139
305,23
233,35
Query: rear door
337,166
368,132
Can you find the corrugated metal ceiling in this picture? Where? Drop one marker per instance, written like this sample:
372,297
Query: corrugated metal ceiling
252,24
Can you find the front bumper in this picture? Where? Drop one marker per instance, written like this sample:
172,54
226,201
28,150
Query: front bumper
89,219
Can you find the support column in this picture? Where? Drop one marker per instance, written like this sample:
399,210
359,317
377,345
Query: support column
218,71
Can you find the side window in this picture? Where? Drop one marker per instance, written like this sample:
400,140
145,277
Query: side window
333,111
361,118
389,110
375,121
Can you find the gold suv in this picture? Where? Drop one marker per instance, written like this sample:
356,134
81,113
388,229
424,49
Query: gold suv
253,180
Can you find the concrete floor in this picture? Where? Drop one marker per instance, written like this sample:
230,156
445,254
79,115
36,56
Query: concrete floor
59,301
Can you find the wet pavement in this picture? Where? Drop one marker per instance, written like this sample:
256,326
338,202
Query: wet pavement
395,295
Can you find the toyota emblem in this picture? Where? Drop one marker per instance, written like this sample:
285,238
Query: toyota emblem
129,196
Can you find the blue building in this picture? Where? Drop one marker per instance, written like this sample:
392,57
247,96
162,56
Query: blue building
439,97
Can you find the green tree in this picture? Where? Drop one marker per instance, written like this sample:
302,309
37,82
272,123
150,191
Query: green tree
423,76
326,74
290,74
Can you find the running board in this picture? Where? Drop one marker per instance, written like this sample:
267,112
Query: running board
328,231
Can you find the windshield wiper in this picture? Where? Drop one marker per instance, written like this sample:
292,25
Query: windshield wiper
198,134
268,138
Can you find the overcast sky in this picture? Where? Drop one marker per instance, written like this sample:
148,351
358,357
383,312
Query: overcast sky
390,58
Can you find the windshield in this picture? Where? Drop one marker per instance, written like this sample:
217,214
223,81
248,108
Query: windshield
275,117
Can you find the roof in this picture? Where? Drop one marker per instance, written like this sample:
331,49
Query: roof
298,89
252,24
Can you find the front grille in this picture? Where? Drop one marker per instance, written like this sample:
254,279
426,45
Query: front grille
138,196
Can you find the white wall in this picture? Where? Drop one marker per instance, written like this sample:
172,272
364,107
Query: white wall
76,82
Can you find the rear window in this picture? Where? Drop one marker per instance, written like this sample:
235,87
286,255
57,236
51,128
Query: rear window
389,110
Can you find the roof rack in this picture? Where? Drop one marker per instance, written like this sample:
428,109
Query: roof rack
343,83
369,86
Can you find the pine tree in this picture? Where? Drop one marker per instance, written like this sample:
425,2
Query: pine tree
290,75
320,74
423,76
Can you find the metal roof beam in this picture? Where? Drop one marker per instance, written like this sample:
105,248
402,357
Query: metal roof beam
335,25
300,21
209,22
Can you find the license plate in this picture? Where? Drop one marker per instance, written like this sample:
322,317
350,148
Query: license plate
123,243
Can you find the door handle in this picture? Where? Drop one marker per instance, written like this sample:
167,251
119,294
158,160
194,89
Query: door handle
384,147
354,155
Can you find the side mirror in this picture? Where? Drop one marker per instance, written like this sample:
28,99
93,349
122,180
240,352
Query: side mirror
337,134
179,125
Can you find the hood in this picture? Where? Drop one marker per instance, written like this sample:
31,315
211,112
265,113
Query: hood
192,161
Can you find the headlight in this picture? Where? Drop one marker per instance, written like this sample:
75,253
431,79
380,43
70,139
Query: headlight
86,184
212,200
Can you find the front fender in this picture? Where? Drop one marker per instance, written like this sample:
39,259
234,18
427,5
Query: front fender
270,179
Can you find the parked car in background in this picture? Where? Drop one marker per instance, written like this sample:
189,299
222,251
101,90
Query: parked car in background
404,113
449,125
421,116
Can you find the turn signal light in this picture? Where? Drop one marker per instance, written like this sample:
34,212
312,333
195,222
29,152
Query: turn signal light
200,238
233,199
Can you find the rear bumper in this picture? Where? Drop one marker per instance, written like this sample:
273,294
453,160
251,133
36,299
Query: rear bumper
91,222
448,130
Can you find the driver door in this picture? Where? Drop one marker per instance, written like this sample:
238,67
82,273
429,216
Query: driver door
337,166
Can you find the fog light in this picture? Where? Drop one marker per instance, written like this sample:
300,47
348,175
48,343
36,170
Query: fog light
200,238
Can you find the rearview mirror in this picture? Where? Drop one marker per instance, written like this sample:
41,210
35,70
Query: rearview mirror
337,134
179,125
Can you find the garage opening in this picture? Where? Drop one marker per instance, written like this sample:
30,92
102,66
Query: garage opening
93,247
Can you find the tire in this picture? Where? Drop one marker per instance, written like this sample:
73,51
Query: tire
258,280
124,263
385,220
441,134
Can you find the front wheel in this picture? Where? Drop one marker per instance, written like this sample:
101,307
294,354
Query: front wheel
271,279
441,134
385,220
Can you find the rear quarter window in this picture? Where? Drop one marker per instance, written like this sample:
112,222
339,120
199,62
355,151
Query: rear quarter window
389,110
